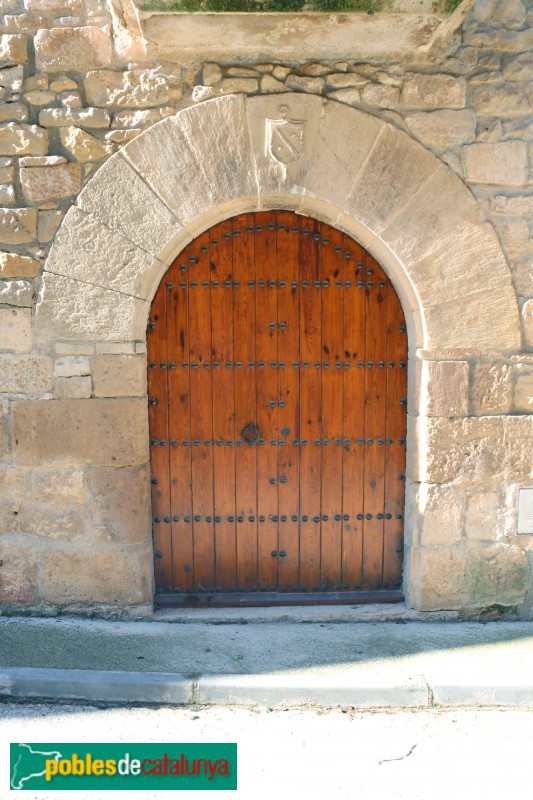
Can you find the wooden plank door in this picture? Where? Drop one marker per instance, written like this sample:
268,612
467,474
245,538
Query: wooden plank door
277,359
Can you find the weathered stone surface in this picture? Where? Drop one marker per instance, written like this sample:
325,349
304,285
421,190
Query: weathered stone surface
499,98
85,117
348,96
120,576
119,504
491,391
83,146
71,309
7,194
211,74
473,576
87,250
71,366
15,329
140,88
55,7
281,72
477,449
13,112
519,68
7,170
513,206
63,84
11,79
500,40
523,390
78,49
504,162
18,575
59,483
444,388
483,516
135,119
239,85
41,161
119,376
13,49
40,98
376,94
527,323
122,200
67,388
5,437
71,100
514,235
12,265
20,140
47,224
441,515
396,168
122,137
344,80
443,129
74,348
54,521
40,184
16,293
23,373
311,85
76,432
433,91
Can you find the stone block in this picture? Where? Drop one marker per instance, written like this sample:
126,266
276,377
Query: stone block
305,84
13,49
119,376
338,154
135,119
5,437
25,374
477,449
77,49
73,387
71,100
11,79
499,99
18,573
70,366
494,163
121,200
22,23
348,96
483,516
83,146
211,74
441,510
513,205
437,90
443,129
396,168
13,112
519,68
48,223
119,504
15,329
40,98
74,349
63,84
492,390
18,139
112,575
140,88
70,309
514,235
59,483
376,94
84,117
444,388
345,80
7,194
89,251
523,390
116,348
55,7
16,293
7,169
60,521
270,85
41,184
77,432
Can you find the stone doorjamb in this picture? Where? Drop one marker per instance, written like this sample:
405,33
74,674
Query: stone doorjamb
302,153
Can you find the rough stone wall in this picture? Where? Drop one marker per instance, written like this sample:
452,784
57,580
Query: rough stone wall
73,90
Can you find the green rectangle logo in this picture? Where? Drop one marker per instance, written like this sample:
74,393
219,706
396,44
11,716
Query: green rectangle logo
115,767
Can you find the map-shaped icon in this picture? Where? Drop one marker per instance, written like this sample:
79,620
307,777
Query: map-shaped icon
27,763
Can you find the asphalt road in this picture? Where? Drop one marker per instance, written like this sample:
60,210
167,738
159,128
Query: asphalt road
307,754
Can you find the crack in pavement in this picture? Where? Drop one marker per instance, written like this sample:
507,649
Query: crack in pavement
400,758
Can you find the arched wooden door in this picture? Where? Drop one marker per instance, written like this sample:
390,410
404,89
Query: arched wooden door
277,387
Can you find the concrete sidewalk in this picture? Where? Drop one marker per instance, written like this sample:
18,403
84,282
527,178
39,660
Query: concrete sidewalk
298,658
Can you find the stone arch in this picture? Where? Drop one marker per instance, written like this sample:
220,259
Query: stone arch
351,170
212,161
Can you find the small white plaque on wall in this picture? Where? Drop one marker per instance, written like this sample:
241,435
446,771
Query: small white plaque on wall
525,511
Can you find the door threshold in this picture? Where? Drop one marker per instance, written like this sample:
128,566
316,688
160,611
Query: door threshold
265,599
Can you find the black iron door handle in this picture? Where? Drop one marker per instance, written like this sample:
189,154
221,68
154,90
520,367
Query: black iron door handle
250,434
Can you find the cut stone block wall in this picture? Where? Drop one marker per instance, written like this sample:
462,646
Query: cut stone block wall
98,199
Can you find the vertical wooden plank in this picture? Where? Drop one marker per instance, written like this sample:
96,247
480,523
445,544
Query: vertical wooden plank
266,271
201,413
223,405
158,420
177,333
353,415
332,404
245,398
396,433
310,405
375,421
288,392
